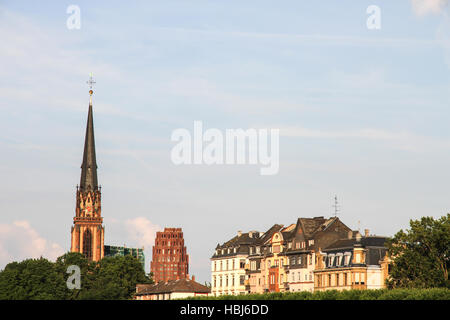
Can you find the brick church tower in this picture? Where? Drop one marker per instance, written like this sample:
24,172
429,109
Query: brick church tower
87,230
170,260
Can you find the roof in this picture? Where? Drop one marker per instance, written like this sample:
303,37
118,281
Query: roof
312,225
181,285
88,180
371,241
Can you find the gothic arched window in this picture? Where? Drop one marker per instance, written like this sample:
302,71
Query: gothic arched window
87,244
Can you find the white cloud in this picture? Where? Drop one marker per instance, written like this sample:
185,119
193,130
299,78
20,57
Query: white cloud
424,7
142,231
19,241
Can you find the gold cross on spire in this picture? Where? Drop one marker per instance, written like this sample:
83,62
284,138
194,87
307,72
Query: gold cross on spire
90,82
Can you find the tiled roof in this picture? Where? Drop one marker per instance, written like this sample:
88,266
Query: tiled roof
181,285
312,225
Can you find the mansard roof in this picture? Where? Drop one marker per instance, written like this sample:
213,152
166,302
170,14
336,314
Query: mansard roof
370,241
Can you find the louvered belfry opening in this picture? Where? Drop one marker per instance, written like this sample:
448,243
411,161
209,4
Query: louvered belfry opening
87,244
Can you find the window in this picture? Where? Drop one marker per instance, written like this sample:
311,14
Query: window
330,260
276,249
87,244
310,258
233,264
242,263
347,258
300,260
241,280
297,245
292,261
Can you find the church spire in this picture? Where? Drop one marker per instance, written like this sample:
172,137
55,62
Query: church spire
88,179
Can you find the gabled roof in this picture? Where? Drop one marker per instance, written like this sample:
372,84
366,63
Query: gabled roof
269,233
181,285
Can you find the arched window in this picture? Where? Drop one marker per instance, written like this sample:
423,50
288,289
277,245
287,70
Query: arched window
87,244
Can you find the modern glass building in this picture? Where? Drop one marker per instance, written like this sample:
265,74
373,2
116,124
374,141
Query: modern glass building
112,251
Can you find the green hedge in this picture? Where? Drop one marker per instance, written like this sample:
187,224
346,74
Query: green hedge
382,294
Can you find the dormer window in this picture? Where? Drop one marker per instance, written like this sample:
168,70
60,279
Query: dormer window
330,260
347,258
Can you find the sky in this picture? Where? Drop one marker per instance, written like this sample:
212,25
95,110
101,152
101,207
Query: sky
363,114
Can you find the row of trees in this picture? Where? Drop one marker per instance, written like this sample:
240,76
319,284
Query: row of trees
112,278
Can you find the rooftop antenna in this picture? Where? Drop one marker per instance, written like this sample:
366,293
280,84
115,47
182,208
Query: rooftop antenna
336,206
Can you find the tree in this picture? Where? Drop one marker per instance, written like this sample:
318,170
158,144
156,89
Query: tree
86,272
420,255
31,279
111,278
115,278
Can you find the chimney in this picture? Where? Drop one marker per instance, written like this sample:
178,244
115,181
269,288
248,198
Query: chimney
350,234
193,278
239,233
366,232
250,234
358,237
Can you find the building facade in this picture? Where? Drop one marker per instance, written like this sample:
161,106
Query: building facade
173,289
87,233
303,244
232,262
358,262
170,260
281,259
114,251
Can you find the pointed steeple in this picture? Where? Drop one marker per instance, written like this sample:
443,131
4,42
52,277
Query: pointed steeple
88,181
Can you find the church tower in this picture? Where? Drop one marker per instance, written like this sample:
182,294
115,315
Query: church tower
87,230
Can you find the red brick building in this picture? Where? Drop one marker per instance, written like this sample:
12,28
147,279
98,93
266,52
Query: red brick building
170,260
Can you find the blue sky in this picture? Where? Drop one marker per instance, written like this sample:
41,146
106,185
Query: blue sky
362,114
